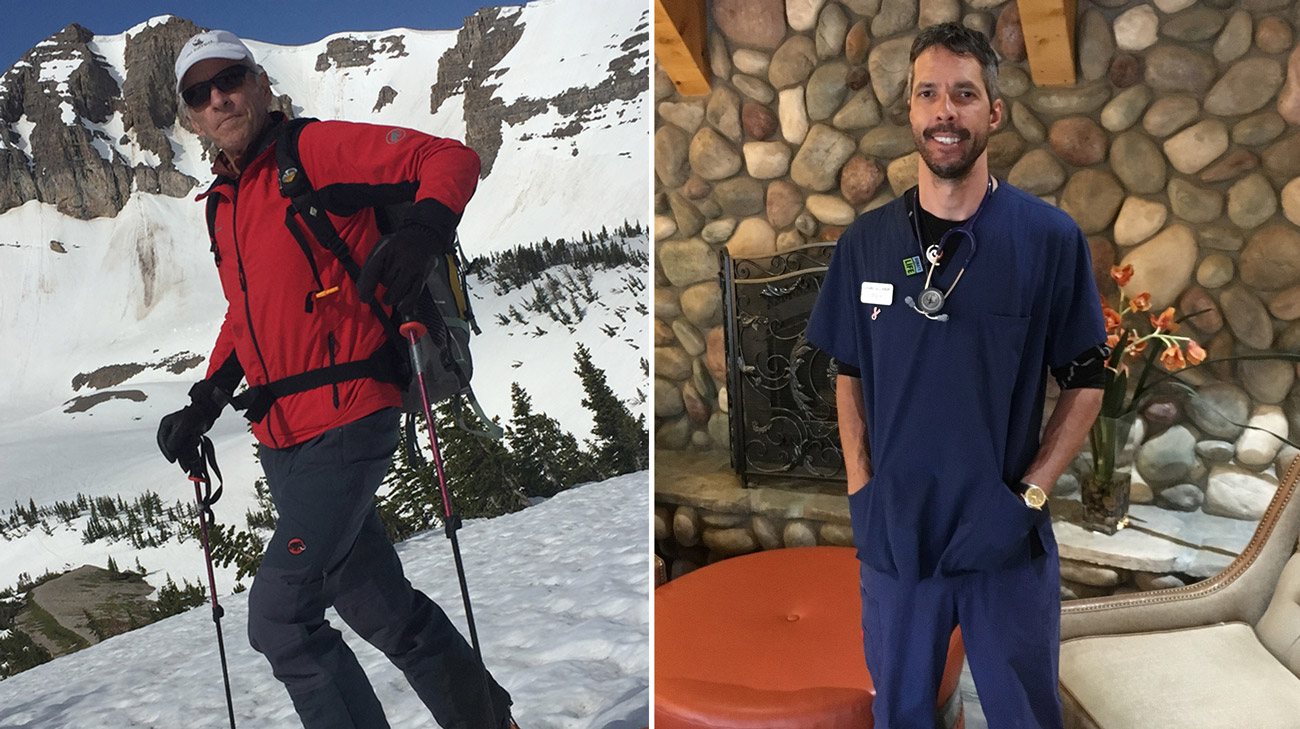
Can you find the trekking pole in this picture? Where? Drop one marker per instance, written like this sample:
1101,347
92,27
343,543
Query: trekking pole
205,497
413,330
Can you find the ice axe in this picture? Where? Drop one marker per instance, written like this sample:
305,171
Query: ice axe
413,330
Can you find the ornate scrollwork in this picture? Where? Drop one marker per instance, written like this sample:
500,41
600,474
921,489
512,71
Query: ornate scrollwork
782,388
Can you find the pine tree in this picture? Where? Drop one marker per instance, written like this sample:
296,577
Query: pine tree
413,502
480,472
480,477
173,599
547,459
622,444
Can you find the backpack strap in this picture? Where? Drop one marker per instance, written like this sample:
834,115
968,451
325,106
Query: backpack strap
304,202
490,428
384,365
211,215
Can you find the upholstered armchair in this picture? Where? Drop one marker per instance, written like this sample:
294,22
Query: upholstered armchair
1218,654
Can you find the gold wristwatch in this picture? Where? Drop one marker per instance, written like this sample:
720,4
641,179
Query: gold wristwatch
1033,496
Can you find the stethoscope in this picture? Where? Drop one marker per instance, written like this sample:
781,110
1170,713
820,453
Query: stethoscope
931,300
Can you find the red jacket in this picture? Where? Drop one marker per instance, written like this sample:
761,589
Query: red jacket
266,277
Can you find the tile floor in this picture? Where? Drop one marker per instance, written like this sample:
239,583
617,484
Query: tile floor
970,700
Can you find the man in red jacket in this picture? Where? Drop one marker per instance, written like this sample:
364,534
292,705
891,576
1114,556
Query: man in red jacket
325,448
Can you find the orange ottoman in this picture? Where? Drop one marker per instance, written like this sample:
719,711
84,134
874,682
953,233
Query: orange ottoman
771,640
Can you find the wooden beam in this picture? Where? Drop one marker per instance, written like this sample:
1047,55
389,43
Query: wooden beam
680,33
1049,26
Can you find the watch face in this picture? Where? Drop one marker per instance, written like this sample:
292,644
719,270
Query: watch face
1035,497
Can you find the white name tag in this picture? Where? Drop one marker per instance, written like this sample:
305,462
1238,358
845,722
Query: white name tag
877,293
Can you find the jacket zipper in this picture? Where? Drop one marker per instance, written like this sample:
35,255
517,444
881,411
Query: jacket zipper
243,287
333,345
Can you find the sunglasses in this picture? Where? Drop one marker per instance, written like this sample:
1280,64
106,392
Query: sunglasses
228,80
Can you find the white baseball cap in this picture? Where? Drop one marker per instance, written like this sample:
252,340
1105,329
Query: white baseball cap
210,44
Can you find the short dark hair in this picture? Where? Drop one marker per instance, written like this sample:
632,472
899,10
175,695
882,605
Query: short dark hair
962,41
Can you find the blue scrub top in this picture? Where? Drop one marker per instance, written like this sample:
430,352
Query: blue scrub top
953,408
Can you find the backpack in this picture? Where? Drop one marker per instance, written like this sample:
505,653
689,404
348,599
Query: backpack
443,308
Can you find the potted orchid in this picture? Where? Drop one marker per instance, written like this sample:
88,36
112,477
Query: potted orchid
1105,495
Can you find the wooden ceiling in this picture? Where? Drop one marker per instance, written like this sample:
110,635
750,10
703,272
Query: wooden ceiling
681,42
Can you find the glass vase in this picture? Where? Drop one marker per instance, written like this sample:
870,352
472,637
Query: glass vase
1105,494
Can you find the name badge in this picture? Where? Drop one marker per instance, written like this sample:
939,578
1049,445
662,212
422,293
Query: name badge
877,293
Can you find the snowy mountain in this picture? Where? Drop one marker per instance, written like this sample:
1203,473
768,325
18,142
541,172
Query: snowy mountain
110,301
561,600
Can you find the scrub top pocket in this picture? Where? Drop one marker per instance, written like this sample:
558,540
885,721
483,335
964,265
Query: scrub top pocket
871,528
993,531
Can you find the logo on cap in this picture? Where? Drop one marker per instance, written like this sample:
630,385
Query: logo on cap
297,546
396,136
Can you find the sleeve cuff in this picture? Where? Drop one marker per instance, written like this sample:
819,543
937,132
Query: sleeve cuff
432,213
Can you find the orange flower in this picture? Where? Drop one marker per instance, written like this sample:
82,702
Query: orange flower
1136,346
1195,354
1141,302
1112,340
1112,317
1122,275
1172,358
1165,321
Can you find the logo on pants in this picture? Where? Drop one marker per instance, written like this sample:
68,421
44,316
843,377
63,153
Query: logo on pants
297,546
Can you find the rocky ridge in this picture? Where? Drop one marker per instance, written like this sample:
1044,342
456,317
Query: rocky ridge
66,114
69,97
483,42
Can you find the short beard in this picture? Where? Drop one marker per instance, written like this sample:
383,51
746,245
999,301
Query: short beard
960,169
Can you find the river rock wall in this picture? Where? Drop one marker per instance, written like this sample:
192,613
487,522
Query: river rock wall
1177,151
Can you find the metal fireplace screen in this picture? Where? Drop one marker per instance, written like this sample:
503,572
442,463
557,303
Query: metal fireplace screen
781,388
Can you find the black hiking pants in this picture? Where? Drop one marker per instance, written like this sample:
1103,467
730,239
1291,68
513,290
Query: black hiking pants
330,548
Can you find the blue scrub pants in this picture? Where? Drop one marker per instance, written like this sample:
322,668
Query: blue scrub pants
330,548
1011,624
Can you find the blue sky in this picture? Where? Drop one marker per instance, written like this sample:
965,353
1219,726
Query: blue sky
24,23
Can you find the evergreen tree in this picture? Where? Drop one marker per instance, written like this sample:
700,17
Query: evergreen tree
480,473
413,502
622,444
547,459
173,599
244,548
18,652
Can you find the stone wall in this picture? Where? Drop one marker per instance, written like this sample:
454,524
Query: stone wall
1175,151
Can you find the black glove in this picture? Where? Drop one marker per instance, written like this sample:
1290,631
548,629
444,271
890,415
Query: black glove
401,260
178,433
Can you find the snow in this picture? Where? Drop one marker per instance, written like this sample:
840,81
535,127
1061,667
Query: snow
23,128
561,602
351,93
556,54
106,139
112,49
544,365
141,287
150,23
59,70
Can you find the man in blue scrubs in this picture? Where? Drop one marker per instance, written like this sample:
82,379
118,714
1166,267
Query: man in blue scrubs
946,309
